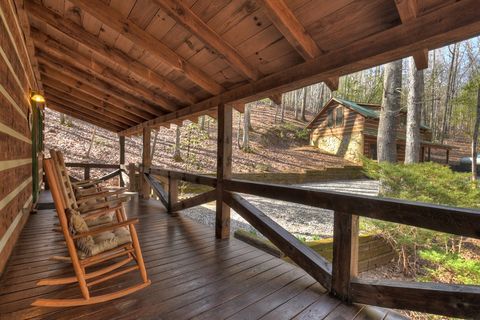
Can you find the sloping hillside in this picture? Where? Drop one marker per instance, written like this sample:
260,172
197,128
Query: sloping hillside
273,147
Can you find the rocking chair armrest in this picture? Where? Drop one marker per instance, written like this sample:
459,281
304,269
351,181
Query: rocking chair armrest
108,204
81,183
92,196
106,228
100,212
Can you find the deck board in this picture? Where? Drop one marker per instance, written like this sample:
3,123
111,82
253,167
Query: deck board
193,275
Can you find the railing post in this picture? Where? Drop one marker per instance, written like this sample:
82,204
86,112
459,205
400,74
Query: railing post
121,141
146,161
131,177
224,169
345,254
86,173
172,192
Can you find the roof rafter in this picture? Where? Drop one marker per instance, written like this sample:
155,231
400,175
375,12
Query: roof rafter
187,18
64,54
77,94
81,103
82,116
53,97
453,22
87,88
288,25
145,40
408,10
39,15
88,78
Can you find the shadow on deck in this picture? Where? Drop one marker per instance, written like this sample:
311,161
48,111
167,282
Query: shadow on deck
193,276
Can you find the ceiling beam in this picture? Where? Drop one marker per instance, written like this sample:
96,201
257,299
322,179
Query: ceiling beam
52,97
289,26
408,11
45,20
80,61
82,116
182,14
450,23
101,110
87,88
78,95
113,19
332,83
80,75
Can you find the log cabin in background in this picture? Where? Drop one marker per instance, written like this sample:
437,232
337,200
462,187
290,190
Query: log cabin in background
349,129
132,66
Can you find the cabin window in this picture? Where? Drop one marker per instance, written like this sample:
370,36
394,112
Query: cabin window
330,122
339,117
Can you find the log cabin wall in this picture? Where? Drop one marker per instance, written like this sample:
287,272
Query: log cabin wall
342,140
16,180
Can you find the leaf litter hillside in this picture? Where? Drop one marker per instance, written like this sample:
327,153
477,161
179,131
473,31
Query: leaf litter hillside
273,147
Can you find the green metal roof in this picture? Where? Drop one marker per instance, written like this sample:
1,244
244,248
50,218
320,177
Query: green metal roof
365,111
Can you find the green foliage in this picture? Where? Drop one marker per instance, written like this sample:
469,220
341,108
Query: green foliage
450,267
426,182
426,254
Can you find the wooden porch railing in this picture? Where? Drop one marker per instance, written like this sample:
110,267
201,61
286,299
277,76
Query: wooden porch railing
119,169
340,276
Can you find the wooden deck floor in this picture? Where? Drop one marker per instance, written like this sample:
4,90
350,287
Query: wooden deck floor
193,276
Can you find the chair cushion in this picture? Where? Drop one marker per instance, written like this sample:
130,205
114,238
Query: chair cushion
92,245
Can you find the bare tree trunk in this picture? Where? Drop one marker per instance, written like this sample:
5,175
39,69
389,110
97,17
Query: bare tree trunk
91,141
475,139
304,104
246,128
386,140
414,110
283,110
177,156
295,103
449,95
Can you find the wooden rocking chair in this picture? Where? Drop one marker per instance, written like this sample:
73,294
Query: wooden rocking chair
87,188
94,207
83,255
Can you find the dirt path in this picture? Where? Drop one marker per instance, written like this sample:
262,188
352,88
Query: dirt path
302,221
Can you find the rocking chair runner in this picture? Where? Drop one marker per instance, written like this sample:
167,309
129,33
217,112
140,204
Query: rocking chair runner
130,251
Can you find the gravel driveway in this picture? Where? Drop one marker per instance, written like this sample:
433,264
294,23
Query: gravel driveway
298,219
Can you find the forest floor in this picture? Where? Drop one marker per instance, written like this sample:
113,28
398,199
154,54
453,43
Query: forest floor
274,147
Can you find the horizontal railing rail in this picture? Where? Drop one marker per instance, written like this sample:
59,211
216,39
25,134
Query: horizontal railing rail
340,276
88,166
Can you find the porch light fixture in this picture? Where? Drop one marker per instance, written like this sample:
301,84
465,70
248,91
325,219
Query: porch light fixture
37,97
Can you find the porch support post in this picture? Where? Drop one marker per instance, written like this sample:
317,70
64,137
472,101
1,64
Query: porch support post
145,187
345,254
121,141
224,168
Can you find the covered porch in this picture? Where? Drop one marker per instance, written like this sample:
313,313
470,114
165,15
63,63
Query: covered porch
132,68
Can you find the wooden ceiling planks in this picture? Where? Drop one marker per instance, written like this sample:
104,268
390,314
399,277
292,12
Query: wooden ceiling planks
50,74
458,21
206,47
72,58
144,39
